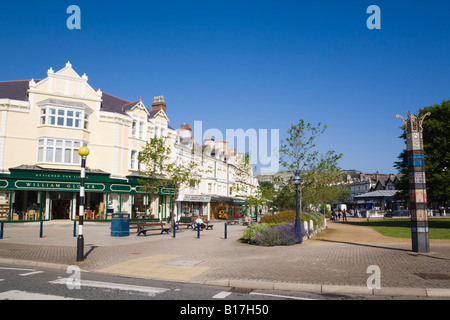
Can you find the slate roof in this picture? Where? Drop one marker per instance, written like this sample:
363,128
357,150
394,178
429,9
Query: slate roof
18,90
15,90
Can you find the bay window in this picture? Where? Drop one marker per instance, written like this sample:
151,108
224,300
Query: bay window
59,151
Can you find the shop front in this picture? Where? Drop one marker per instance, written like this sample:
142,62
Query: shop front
227,207
188,206
33,193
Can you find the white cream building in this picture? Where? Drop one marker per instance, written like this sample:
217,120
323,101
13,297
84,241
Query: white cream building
221,189
44,122
42,125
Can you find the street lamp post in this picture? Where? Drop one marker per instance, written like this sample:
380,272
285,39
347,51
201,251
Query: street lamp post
83,152
297,181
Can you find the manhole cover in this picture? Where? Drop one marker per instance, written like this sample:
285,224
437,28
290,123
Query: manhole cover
185,262
241,290
433,276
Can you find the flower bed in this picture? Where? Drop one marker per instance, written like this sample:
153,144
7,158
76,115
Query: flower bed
279,229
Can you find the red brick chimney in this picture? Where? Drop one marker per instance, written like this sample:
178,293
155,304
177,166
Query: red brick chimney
158,103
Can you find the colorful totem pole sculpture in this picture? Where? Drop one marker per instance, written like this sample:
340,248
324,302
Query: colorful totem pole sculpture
417,185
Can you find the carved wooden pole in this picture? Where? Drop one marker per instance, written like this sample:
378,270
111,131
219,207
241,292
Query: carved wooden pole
417,185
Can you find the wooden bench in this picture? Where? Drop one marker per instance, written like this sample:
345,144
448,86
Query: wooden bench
233,221
143,227
207,224
188,224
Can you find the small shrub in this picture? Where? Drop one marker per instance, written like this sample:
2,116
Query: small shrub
251,231
290,215
277,235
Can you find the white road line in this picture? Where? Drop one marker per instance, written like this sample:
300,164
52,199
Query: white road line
151,291
222,295
18,269
30,273
23,295
280,296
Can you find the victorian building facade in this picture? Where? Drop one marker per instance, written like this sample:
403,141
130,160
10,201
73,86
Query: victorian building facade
44,122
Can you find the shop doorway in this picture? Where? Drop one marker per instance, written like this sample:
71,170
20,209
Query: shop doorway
61,209
61,203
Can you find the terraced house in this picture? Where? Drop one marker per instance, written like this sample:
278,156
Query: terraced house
44,122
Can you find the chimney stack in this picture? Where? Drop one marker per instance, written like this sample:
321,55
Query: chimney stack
158,103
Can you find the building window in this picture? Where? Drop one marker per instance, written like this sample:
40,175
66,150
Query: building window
133,159
63,117
133,129
141,130
58,151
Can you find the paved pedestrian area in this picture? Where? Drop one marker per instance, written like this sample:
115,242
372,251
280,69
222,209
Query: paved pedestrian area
337,257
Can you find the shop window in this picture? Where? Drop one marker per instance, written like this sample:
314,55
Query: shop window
4,205
94,206
138,206
25,205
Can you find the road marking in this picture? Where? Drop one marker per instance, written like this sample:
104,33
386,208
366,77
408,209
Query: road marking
23,295
151,291
280,296
222,295
17,269
30,273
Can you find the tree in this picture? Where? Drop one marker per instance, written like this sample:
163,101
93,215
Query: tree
159,170
436,144
318,171
243,173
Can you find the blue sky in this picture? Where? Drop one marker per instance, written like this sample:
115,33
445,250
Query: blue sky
250,64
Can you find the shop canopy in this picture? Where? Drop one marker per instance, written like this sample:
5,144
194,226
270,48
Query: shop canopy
378,195
229,200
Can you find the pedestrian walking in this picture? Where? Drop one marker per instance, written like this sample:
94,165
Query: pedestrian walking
344,215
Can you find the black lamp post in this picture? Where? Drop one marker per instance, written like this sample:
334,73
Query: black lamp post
297,181
83,152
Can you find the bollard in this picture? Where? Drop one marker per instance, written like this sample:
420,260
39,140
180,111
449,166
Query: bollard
225,230
41,229
2,224
198,230
174,226
74,228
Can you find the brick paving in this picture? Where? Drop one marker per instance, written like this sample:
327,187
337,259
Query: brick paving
339,255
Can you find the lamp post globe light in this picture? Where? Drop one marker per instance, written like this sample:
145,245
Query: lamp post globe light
83,152
297,180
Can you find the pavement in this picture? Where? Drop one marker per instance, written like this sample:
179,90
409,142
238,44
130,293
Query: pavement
337,260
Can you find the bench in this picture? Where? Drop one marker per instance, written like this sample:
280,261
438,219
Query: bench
188,224
247,223
233,221
207,224
151,226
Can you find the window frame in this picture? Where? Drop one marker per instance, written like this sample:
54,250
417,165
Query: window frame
50,149
64,117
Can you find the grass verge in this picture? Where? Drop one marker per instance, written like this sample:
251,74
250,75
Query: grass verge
438,228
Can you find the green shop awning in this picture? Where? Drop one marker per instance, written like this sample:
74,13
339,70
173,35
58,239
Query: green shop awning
40,179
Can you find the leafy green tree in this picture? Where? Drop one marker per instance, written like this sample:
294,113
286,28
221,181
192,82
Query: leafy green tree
318,171
158,169
436,128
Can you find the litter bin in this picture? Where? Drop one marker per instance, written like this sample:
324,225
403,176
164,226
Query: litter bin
120,225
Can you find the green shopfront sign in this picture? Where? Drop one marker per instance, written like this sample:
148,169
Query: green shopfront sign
40,179
59,186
